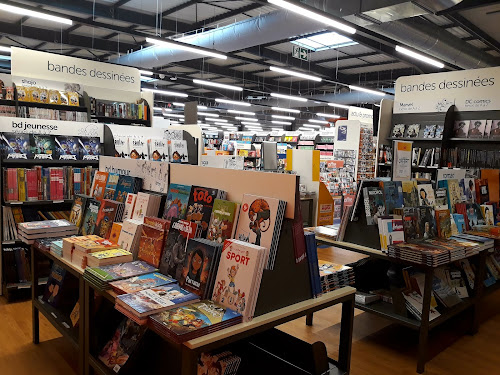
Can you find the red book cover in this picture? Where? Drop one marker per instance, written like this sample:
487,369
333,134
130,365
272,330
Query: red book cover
99,185
52,184
39,182
13,194
461,208
160,224
61,183
151,245
106,217
31,184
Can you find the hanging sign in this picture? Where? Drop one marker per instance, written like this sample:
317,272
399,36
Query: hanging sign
468,90
363,115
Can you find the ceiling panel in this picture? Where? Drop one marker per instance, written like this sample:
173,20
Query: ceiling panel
180,69
227,21
292,79
221,62
487,18
225,80
326,54
152,7
203,75
286,47
269,73
249,67
201,90
180,87
342,63
377,58
458,32
356,49
91,31
247,55
477,43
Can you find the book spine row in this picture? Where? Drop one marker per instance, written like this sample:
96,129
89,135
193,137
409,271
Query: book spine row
130,111
56,183
469,158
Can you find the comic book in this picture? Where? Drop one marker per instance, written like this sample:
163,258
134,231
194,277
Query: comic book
426,224
454,192
410,226
90,218
487,210
410,193
126,185
136,283
177,201
223,221
110,190
443,222
201,201
151,245
374,204
426,195
109,212
474,215
393,195
43,146
68,147
99,185
78,209
16,146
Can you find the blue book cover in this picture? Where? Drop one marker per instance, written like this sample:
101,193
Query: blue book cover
393,195
460,222
141,282
77,180
177,201
109,191
46,183
126,184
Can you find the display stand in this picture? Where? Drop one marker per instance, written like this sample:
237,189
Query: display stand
389,311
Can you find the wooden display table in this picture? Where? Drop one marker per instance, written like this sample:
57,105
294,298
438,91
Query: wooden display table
387,310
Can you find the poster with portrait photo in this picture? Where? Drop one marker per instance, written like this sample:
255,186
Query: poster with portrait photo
476,128
495,129
461,128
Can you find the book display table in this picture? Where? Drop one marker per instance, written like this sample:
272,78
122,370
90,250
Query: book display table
423,326
60,320
188,352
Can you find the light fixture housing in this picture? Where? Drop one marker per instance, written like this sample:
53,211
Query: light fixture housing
233,102
35,14
173,115
343,106
166,92
289,97
246,118
184,47
419,56
206,114
317,17
217,84
305,129
295,74
327,115
145,72
215,119
277,129
369,91
241,112
318,121
283,117
222,124
281,122
280,109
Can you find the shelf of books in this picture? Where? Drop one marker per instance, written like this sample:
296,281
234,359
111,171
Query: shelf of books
191,269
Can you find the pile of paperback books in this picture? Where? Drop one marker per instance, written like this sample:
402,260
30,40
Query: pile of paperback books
334,276
101,276
29,232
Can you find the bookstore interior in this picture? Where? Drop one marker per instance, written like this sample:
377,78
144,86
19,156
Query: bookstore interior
245,187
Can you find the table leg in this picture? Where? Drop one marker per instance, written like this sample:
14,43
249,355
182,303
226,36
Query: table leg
424,324
189,361
478,291
81,326
88,298
309,319
34,296
346,327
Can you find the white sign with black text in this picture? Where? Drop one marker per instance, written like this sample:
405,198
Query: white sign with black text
363,115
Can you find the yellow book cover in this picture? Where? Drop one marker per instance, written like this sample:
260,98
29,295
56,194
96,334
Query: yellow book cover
21,179
106,254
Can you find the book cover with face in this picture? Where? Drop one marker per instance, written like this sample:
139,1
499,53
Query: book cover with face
461,128
257,220
477,128
222,220
426,195
197,265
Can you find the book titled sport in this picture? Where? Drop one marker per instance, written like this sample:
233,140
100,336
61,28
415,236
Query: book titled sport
260,223
137,283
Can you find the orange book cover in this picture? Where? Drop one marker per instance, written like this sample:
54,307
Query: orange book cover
99,185
151,245
493,177
115,232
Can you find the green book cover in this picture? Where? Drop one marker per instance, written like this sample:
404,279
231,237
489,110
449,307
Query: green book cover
222,221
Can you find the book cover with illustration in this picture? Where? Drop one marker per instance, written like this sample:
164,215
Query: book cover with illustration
410,193
90,148
120,271
410,223
177,201
429,131
117,351
374,204
53,288
474,215
68,148
126,185
90,218
110,190
487,210
151,244
443,221
137,283
238,276
460,222
99,185
393,195
441,199
426,195
426,222
454,192
461,128
158,149
172,260
223,220
198,263
178,151
412,131
153,300
16,146
477,128
129,206
109,211
201,201
470,190
78,209
398,131
43,146
138,148
259,223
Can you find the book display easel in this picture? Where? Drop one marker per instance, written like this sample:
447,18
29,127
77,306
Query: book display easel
255,340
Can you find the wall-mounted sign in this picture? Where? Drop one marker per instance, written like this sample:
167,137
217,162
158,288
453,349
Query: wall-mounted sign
468,90
28,63
300,53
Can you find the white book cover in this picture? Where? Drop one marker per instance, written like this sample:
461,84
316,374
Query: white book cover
426,195
141,206
129,206
129,235
178,151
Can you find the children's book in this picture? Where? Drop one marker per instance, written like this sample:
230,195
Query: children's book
177,201
120,271
201,201
99,185
178,151
410,223
410,193
16,146
460,222
412,131
110,190
223,221
426,195
398,131
90,218
43,146
68,148
393,195
126,185
136,283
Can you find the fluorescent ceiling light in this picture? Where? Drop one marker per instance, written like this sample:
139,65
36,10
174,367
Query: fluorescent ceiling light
305,129
234,102
297,98
328,115
296,74
291,110
223,124
4,57
179,104
418,56
148,79
281,122
164,43
166,92
208,114
173,115
215,119
374,92
313,15
338,105
217,84
318,121
277,129
204,107
146,72
247,124
5,49
283,117
34,14
246,118
324,41
162,109
311,126
241,112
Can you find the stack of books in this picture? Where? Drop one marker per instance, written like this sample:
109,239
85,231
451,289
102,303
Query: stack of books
136,283
100,277
130,236
29,232
139,305
334,276
44,244
146,204
69,244
108,257
56,248
82,249
194,320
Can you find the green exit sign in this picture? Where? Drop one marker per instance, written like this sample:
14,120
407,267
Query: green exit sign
300,53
